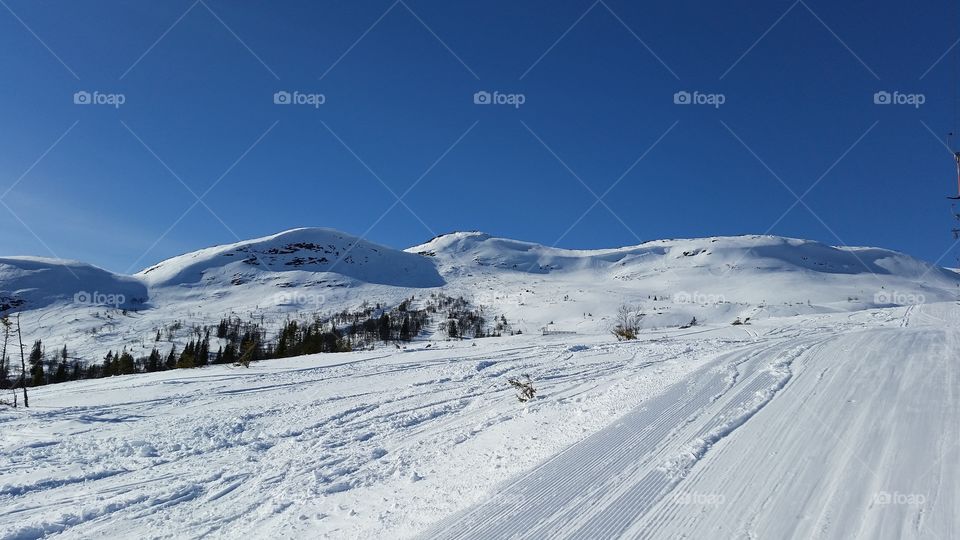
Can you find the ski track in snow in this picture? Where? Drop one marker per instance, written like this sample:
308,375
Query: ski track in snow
683,466
788,429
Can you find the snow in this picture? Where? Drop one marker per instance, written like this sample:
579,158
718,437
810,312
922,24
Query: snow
296,250
314,270
39,282
372,442
834,413
833,433
835,425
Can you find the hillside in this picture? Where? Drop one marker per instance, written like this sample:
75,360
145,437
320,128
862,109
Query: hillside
309,271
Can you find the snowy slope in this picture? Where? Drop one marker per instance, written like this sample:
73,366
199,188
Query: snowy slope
823,434
37,282
713,279
304,271
832,414
292,254
839,425
301,271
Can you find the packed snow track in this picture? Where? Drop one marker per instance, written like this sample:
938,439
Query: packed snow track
844,435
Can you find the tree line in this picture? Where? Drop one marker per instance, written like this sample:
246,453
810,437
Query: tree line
240,342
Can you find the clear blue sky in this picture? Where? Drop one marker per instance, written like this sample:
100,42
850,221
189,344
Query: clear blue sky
399,79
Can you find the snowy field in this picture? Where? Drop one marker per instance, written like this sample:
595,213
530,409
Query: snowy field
831,425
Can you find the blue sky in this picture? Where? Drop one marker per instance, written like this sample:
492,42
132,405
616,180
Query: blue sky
118,186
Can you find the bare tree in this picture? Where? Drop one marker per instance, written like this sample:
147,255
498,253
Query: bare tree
627,323
23,365
524,387
4,366
5,322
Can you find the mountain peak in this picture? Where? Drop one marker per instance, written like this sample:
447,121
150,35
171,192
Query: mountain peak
306,249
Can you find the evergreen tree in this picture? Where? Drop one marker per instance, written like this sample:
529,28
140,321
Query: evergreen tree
37,376
153,361
108,369
188,356
203,351
125,363
171,361
77,372
384,329
60,375
405,329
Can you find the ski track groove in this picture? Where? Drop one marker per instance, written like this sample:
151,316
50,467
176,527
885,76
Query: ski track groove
532,507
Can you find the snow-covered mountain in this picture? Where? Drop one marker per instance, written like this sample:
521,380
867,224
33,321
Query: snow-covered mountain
287,257
37,282
317,270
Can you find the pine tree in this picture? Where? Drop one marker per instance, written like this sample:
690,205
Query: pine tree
153,361
203,351
77,373
188,356
60,375
126,365
37,376
171,361
384,324
405,329
107,370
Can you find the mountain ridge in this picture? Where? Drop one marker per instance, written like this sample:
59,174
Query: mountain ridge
311,270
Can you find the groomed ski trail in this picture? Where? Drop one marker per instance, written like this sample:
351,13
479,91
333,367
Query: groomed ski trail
833,435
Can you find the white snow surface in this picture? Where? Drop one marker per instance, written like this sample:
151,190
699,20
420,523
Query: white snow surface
313,270
840,425
833,414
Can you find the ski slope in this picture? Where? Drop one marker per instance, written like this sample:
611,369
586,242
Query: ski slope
809,434
826,425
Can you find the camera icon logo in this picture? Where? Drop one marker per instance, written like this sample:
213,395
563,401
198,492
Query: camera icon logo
281,98
482,98
682,98
82,98
882,98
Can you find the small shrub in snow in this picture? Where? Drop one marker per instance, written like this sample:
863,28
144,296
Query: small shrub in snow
524,387
627,323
